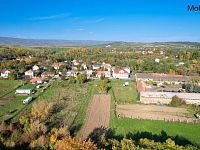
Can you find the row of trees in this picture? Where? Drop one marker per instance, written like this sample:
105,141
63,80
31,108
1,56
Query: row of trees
138,62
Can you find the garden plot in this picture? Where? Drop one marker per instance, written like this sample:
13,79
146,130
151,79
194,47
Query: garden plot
154,112
97,116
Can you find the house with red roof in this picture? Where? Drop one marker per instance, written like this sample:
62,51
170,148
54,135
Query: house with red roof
106,74
120,74
37,80
106,66
57,66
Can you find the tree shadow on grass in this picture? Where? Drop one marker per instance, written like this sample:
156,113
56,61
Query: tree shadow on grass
74,129
162,137
104,134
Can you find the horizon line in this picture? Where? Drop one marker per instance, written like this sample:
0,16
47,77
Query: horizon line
58,39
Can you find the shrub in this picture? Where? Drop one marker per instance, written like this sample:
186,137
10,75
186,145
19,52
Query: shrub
176,101
82,78
72,80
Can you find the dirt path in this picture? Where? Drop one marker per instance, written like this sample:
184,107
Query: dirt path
98,115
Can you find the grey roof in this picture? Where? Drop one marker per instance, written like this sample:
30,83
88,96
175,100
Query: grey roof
169,95
162,78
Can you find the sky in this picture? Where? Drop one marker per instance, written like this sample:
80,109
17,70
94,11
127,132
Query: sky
112,20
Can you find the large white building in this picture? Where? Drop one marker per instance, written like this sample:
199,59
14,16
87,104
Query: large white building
166,97
120,74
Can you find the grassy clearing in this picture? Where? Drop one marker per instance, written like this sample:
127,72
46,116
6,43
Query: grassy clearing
28,86
13,107
127,94
80,118
8,85
133,126
14,104
187,131
76,99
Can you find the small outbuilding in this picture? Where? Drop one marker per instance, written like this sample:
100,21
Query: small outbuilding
23,91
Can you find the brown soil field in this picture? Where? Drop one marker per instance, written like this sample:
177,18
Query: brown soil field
153,112
98,115
5,100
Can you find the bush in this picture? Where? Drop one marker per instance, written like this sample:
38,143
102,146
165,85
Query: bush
176,101
72,80
82,78
103,86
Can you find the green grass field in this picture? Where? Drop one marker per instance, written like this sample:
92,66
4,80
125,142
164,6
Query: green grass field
15,105
123,127
188,131
8,85
28,86
124,94
76,99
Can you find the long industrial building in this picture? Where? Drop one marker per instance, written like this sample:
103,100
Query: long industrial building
166,97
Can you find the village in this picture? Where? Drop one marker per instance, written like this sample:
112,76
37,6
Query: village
153,87
99,75
99,92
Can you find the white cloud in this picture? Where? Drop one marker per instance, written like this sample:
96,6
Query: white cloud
80,29
100,20
50,17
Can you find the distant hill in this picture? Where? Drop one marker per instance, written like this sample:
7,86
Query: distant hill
172,45
109,44
48,43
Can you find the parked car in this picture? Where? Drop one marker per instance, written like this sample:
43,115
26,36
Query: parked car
27,100
197,115
38,86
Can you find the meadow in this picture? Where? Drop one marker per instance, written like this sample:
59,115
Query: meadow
14,104
181,132
8,85
124,94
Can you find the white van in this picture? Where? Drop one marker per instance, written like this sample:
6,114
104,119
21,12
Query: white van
38,86
27,100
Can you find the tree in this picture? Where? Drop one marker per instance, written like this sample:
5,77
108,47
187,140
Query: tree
81,78
12,76
103,86
176,101
69,143
72,80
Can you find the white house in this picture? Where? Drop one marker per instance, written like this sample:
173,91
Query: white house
127,69
157,60
4,73
57,66
96,66
35,68
29,73
84,66
71,73
90,73
120,74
